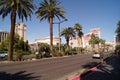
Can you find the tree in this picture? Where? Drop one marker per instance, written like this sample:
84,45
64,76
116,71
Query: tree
94,40
78,29
4,45
49,9
18,44
102,43
118,32
44,50
68,33
22,8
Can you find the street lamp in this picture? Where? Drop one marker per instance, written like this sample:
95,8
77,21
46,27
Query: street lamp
59,30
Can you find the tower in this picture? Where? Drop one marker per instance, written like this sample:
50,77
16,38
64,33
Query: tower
3,35
20,29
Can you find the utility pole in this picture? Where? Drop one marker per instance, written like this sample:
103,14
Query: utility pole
59,32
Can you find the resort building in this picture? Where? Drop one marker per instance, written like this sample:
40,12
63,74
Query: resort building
47,40
20,29
84,41
3,35
34,45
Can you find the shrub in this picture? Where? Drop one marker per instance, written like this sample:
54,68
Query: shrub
117,47
19,55
44,48
38,56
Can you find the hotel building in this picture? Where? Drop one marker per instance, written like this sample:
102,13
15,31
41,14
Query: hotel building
84,41
20,29
34,45
3,35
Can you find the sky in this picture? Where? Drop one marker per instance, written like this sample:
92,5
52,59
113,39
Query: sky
103,14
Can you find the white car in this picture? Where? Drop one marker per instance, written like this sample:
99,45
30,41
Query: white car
97,55
3,54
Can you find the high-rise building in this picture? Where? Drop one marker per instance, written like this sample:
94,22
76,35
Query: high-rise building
3,35
20,29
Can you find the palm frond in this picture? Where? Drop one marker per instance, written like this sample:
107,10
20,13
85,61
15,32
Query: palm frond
23,8
48,7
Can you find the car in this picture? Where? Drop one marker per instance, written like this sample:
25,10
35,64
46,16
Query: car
3,54
97,55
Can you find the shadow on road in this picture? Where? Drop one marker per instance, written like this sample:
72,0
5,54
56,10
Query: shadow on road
22,75
108,71
90,64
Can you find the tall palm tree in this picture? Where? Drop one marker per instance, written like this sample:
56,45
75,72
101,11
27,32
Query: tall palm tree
68,33
102,43
118,32
49,9
94,40
22,8
78,29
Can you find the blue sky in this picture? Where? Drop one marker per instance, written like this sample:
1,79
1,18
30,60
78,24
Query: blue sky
104,14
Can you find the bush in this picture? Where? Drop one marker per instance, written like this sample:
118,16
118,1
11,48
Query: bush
47,55
44,48
117,47
38,56
60,54
19,55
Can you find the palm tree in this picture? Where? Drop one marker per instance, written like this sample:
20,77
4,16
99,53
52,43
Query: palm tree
22,8
118,32
68,33
48,9
102,43
78,29
94,40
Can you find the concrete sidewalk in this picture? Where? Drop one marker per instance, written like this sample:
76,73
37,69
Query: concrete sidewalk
106,71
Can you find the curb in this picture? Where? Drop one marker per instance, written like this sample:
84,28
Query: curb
87,71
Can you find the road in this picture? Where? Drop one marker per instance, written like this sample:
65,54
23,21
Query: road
108,71
45,69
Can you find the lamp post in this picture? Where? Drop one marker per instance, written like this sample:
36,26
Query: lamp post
59,31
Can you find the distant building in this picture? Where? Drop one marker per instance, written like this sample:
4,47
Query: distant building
47,40
34,45
84,41
96,32
3,35
110,45
20,29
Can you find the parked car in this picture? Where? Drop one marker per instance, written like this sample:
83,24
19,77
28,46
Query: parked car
3,54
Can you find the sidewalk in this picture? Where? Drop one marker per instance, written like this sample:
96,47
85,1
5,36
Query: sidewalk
106,71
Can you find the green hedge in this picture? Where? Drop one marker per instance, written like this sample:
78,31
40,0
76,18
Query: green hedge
117,47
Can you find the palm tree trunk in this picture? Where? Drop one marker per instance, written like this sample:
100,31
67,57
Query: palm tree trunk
67,40
51,36
11,40
81,43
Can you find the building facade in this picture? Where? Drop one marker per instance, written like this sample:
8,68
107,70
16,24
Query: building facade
20,29
84,41
34,45
3,35
47,40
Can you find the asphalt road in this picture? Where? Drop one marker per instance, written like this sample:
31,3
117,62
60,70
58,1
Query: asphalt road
108,71
45,69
